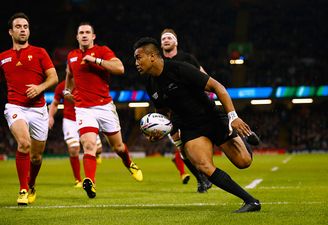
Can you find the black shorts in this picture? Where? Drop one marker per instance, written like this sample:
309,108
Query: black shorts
216,128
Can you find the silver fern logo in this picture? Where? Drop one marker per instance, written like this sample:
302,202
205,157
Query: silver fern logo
155,95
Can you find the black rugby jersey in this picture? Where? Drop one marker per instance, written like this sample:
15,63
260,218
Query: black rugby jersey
180,87
185,57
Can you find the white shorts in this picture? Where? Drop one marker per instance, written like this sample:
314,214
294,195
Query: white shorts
71,134
36,119
104,118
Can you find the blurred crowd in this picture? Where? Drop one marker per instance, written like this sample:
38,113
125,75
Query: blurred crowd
288,48
302,128
288,44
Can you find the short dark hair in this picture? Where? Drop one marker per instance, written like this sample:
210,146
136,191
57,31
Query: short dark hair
15,16
148,43
86,23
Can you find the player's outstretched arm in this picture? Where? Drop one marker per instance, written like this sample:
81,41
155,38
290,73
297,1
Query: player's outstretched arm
222,94
234,121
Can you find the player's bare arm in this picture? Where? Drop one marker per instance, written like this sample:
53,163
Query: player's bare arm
114,65
236,123
69,80
52,111
51,79
69,85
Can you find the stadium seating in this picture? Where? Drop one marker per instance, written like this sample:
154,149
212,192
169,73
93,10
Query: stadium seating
288,49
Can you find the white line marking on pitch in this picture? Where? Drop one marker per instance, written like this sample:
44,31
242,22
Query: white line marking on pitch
286,160
254,183
275,168
280,187
149,205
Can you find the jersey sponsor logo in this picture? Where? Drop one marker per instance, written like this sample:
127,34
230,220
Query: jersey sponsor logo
30,57
5,60
14,116
74,59
19,63
155,95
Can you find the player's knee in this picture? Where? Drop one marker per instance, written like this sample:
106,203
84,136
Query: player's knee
205,167
244,163
119,147
36,159
24,145
89,146
74,151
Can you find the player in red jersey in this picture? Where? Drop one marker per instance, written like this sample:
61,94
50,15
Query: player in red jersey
88,69
28,71
70,130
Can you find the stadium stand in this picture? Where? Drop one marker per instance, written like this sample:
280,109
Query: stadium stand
287,39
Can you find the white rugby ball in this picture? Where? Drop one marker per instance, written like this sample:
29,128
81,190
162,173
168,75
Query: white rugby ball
155,125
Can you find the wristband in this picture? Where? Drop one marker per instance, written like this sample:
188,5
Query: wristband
231,116
98,61
177,143
67,91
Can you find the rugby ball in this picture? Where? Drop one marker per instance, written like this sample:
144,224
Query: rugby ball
155,126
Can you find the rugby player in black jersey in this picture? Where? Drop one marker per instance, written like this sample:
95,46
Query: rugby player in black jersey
180,87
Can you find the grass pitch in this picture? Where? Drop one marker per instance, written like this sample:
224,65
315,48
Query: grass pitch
293,189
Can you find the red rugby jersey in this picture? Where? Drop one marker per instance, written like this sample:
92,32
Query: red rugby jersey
91,80
26,66
69,111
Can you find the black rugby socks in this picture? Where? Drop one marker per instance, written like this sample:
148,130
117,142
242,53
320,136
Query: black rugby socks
224,181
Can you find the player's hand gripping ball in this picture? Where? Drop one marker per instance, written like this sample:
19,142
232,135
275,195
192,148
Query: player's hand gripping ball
155,126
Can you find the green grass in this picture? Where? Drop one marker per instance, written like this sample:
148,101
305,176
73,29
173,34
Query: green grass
296,193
